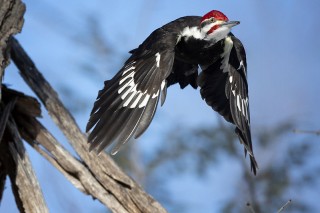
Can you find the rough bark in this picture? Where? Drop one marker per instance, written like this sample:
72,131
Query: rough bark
11,21
95,175
15,162
121,189
73,169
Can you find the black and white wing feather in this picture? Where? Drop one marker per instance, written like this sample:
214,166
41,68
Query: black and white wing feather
224,87
126,105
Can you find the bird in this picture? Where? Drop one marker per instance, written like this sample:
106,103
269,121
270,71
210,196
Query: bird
192,50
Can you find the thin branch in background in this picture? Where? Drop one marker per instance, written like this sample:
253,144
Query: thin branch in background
250,208
316,132
284,206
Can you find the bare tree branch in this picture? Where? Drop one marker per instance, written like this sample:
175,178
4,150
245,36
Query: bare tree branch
74,170
25,186
125,191
5,113
11,21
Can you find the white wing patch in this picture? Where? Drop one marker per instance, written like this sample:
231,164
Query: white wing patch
131,67
163,83
243,67
242,104
158,56
127,82
238,102
245,106
155,94
145,101
230,79
228,44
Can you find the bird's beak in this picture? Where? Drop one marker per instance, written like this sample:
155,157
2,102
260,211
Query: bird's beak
230,24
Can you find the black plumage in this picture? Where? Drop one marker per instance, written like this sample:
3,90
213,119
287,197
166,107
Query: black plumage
173,54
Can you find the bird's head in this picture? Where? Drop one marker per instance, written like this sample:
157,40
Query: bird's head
216,26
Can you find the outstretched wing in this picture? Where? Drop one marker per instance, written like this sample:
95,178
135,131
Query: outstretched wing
127,103
224,87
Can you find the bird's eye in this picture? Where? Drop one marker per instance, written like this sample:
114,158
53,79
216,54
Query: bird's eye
212,19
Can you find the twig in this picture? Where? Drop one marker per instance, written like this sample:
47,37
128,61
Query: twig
284,206
307,131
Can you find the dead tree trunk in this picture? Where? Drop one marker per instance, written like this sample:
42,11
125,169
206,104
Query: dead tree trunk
93,175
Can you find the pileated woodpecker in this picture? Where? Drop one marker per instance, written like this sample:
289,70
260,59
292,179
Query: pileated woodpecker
172,54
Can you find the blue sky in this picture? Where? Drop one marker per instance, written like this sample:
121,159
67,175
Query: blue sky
280,37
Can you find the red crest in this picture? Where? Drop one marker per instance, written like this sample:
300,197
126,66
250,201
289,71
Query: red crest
216,15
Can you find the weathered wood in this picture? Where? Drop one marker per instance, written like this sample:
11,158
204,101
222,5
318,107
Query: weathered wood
24,110
125,191
11,21
13,157
5,111
25,186
104,181
73,169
